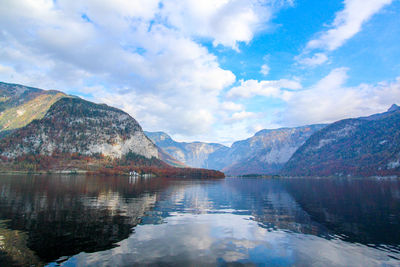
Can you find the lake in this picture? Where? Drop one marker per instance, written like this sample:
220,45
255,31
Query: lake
121,221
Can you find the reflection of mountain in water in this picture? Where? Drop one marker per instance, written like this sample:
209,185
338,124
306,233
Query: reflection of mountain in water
275,208
64,216
197,220
362,211
244,221
267,201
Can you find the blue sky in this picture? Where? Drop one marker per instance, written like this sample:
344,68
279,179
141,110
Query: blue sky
212,70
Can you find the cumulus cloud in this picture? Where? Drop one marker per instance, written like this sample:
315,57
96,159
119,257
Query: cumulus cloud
276,89
330,100
144,56
226,22
137,55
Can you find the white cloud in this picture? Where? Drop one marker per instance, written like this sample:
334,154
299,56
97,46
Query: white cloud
142,56
237,116
137,55
330,100
228,106
264,69
347,23
226,22
315,60
276,89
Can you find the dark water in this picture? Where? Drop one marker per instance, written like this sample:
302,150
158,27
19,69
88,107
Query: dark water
98,221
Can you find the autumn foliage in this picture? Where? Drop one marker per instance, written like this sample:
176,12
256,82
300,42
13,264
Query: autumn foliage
100,164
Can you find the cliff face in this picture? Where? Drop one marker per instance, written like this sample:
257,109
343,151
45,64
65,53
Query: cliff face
192,154
19,105
264,153
360,147
73,125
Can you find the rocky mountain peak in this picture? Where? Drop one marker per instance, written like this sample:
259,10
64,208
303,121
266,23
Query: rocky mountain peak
73,125
394,107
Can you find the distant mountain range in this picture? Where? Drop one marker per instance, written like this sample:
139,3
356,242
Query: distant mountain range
264,153
68,133
49,129
365,146
194,154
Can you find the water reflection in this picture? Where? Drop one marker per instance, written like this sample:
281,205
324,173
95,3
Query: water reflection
123,222
62,216
362,211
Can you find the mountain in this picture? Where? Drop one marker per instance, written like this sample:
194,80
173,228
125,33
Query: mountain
19,105
264,153
73,125
68,134
164,156
192,154
365,146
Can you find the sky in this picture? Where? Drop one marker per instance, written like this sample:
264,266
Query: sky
210,70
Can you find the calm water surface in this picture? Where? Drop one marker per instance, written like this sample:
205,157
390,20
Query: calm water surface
103,221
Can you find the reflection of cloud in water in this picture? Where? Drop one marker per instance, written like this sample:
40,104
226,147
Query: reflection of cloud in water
266,201
218,238
195,199
197,222
116,204
62,217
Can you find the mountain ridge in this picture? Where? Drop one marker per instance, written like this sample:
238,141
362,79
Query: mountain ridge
86,128
73,135
19,105
45,122
190,153
263,153
244,156
364,146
